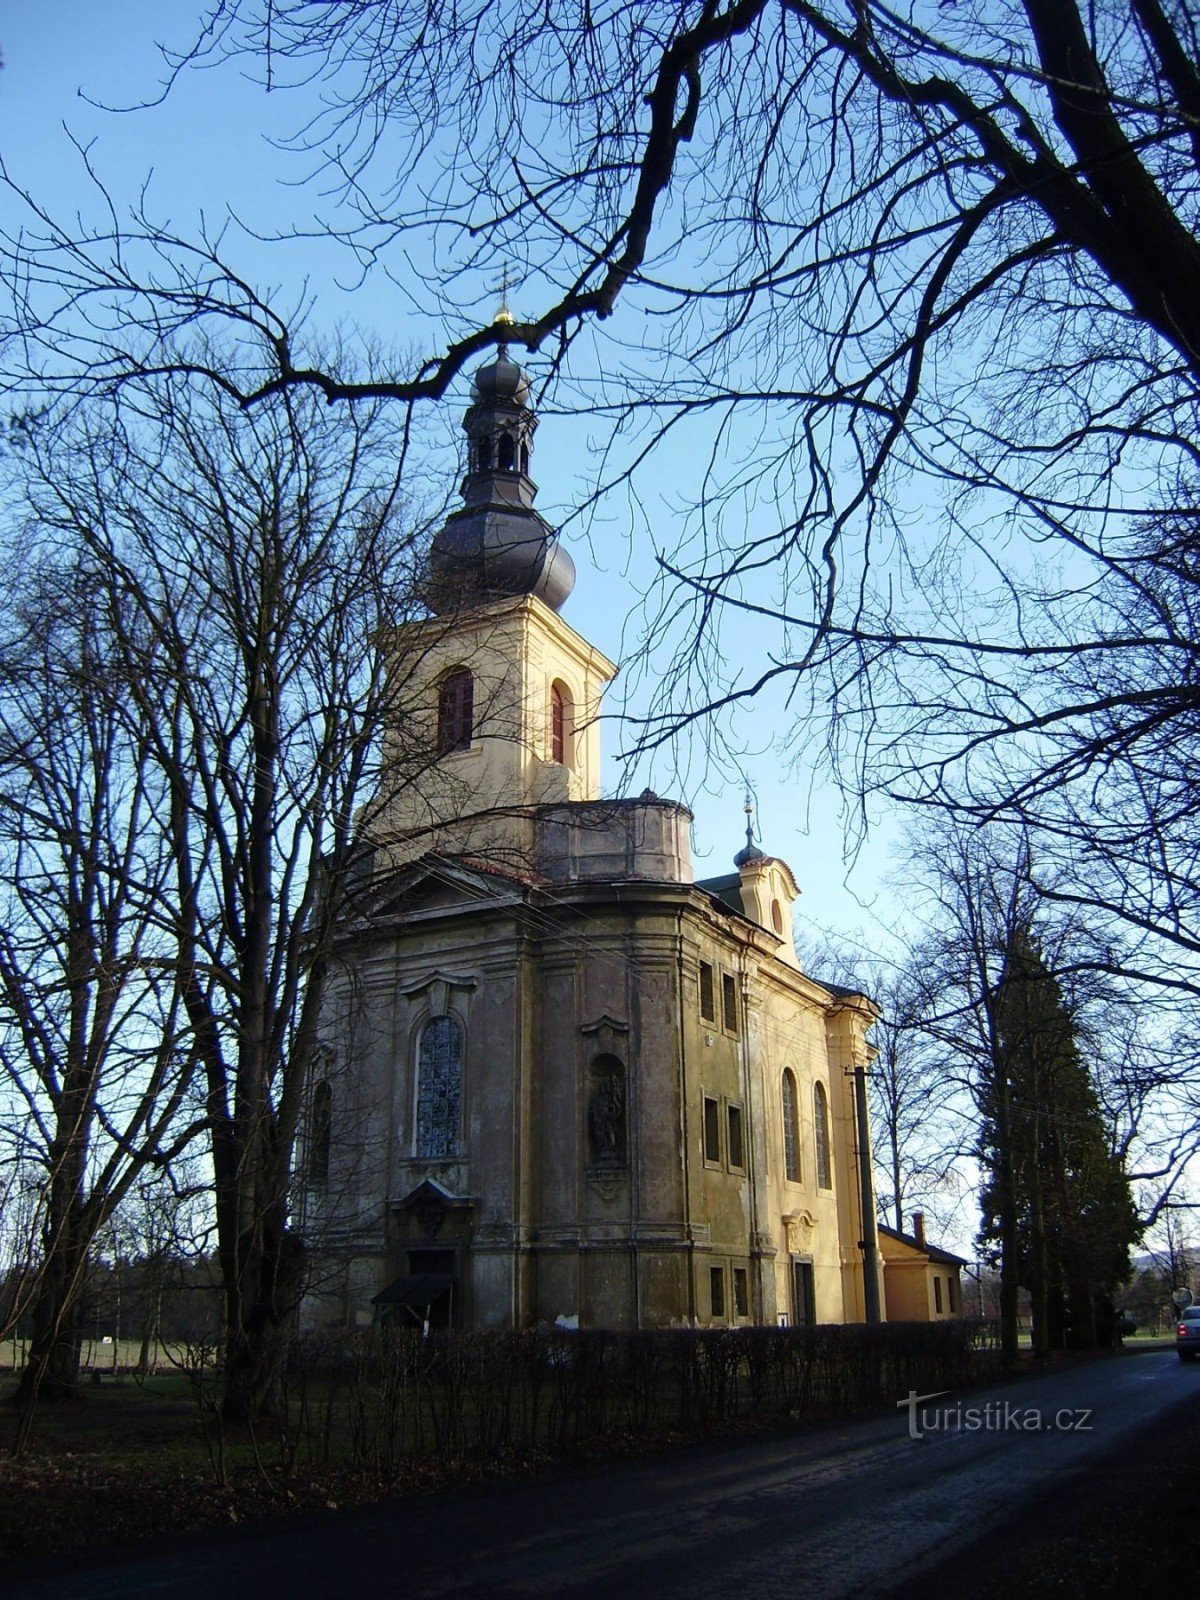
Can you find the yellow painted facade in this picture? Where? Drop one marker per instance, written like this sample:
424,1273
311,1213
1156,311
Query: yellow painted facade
478,800
921,1282
568,942
563,1079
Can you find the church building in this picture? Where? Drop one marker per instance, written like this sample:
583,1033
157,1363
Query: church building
561,1079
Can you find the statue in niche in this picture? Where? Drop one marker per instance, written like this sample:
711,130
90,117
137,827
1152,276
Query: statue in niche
606,1112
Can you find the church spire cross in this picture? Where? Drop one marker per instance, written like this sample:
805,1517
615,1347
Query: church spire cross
504,314
750,851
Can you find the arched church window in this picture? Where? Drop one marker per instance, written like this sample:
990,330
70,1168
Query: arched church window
524,457
483,455
320,1134
456,706
791,1133
560,728
506,453
439,1087
821,1135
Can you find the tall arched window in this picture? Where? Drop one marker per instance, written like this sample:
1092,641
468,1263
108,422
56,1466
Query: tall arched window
320,1134
821,1135
439,1088
791,1137
560,732
456,709
506,453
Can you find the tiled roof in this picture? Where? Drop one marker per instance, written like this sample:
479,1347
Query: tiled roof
939,1257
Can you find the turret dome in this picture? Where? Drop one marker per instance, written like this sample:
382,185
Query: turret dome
496,545
501,379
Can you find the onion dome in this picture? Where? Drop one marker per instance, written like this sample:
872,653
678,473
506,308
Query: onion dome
501,379
496,545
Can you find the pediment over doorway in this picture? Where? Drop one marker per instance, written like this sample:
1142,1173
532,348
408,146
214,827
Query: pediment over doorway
431,1205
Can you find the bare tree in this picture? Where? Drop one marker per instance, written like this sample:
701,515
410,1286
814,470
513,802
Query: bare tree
257,564
162,1228
922,1119
919,1124
94,1069
939,269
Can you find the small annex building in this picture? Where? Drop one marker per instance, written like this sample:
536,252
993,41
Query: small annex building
921,1283
560,1077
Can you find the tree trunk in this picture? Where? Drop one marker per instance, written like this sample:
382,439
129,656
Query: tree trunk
1039,1274
151,1324
259,1325
52,1369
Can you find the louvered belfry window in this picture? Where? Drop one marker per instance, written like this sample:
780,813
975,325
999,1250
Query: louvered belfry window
558,726
456,708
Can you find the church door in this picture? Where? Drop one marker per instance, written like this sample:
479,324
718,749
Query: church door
804,1312
439,1263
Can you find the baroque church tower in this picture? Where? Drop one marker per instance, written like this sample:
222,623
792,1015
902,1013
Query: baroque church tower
562,1080
508,694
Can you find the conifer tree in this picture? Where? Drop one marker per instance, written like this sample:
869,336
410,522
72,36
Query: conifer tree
1074,1214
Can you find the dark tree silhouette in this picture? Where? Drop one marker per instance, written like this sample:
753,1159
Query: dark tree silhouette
1076,1219
251,568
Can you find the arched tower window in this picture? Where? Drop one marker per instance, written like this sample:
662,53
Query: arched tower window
320,1134
791,1139
456,706
560,725
524,457
506,453
483,455
439,1087
821,1135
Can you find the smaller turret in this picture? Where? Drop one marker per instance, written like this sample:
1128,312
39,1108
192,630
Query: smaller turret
749,851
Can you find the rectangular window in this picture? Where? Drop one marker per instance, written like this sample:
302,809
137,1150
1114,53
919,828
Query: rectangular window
937,1294
708,994
712,1130
456,711
708,999
729,999
741,1292
716,1291
952,1289
735,1137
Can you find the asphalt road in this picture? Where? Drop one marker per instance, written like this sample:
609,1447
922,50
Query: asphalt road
838,1511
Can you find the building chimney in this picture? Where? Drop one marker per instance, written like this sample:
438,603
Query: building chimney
919,1228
